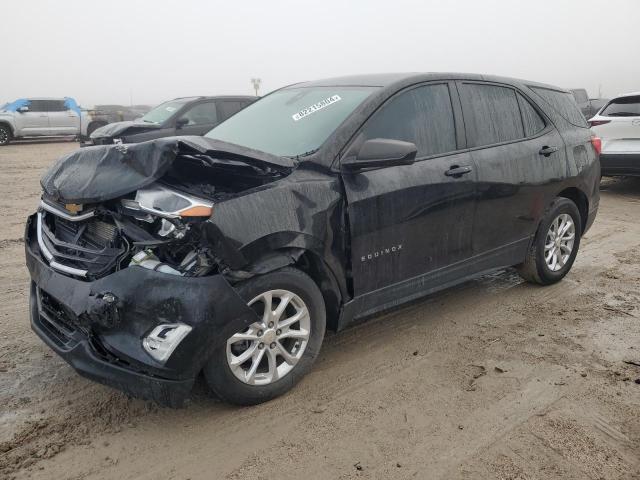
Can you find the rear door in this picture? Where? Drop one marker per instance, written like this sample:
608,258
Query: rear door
411,220
200,118
34,122
519,156
62,121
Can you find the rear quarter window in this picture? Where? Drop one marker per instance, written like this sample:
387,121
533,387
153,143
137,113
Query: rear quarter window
564,103
531,119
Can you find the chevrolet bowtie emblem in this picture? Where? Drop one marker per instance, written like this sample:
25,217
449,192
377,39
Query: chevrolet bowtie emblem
73,207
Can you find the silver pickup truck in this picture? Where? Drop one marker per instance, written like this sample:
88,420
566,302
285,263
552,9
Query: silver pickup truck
42,117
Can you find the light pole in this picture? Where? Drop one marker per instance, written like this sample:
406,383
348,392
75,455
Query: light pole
256,84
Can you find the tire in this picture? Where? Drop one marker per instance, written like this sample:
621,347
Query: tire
5,135
93,127
234,384
535,268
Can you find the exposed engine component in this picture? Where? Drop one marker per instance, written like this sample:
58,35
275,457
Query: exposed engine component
147,259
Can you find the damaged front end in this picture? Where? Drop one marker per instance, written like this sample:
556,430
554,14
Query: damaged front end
129,281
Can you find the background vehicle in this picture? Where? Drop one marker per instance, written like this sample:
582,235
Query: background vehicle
42,117
181,116
618,125
320,203
588,106
102,115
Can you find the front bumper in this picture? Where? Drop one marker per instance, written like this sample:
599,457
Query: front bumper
103,341
614,164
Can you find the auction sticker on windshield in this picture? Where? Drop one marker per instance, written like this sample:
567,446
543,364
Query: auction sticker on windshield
315,107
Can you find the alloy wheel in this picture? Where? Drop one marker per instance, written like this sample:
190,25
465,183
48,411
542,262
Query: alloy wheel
269,349
559,242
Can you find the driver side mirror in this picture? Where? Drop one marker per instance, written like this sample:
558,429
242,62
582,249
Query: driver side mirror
23,109
181,122
381,152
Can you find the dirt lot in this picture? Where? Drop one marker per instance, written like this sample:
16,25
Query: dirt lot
493,379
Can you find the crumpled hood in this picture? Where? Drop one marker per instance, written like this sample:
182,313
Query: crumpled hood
103,172
118,128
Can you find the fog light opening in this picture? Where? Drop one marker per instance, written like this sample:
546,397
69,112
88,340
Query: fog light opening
164,339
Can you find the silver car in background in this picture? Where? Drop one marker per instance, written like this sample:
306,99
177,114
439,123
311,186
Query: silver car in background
42,117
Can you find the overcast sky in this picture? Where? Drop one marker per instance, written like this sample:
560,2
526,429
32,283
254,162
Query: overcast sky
148,51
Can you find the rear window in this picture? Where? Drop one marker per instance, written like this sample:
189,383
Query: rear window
623,107
564,103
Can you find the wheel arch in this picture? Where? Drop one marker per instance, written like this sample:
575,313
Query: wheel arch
581,200
94,125
311,263
4,123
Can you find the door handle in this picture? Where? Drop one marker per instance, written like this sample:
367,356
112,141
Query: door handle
546,151
456,171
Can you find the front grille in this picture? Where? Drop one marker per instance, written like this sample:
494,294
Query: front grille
88,248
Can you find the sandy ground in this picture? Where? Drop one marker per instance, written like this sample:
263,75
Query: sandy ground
492,379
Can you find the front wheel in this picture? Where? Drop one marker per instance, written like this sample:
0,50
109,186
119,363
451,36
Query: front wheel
269,357
555,245
5,135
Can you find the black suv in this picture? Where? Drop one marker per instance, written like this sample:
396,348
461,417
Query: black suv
320,203
181,116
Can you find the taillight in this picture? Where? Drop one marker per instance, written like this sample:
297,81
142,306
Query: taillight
597,144
595,123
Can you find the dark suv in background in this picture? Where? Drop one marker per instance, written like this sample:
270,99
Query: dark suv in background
320,203
181,116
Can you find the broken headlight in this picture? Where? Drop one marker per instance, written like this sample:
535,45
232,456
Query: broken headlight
167,203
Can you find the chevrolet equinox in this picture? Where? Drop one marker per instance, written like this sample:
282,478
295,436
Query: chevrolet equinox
323,202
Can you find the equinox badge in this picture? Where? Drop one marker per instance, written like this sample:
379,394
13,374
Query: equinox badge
381,252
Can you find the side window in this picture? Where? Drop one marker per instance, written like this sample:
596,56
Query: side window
423,116
531,119
230,107
37,106
54,105
491,114
564,104
201,114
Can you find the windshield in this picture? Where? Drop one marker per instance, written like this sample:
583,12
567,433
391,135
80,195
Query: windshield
293,121
163,111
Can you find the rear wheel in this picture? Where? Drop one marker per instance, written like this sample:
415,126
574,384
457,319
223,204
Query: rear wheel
5,135
555,245
270,356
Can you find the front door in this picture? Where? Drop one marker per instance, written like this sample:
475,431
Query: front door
411,222
34,122
198,119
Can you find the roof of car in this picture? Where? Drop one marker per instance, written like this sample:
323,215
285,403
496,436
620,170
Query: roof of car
207,97
630,94
388,79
